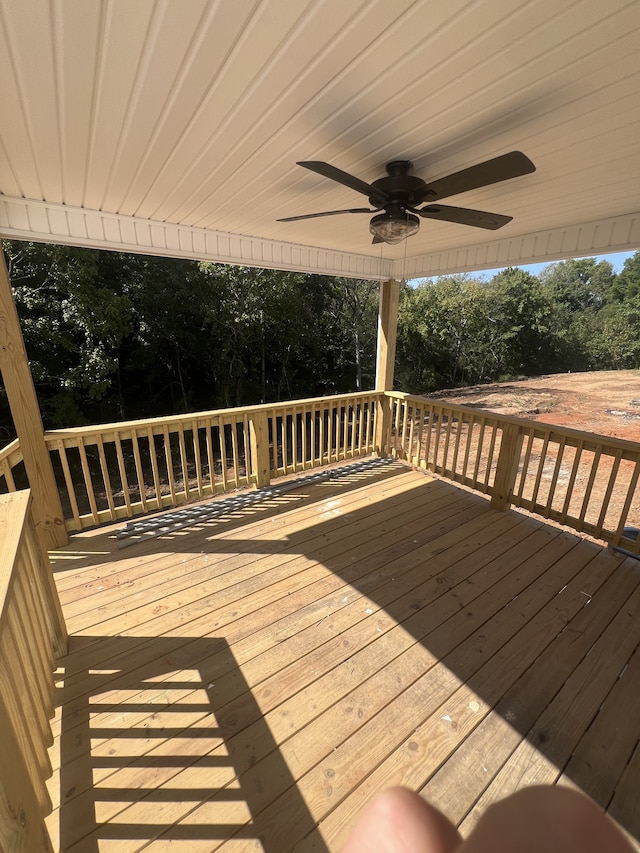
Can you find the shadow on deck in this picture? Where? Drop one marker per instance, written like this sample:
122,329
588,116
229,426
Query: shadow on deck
174,726
260,676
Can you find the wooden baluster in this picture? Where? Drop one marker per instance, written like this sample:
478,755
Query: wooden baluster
323,435
411,438
273,443
234,451
330,434
104,468
447,438
404,450
210,455
198,459
25,662
284,442
157,485
166,440
572,479
427,449
631,490
418,459
294,439
607,495
123,476
70,486
184,462
476,466
312,435
467,447
6,472
32,624
223,454
587,495
525,464
456,447
46,593
554,477
23,715
436,443
543,456
139,470
88,484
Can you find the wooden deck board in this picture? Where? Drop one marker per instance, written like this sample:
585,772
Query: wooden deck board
251,682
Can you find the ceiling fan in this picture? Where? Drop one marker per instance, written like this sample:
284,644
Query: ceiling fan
399,194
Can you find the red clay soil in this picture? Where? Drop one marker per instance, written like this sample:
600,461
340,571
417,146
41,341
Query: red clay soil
605,402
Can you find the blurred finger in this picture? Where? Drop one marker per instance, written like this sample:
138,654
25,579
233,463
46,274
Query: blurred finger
546,820
400,821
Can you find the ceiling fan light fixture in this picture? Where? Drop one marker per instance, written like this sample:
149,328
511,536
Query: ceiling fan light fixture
393,228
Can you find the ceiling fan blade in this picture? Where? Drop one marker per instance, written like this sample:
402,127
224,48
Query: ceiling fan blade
463,216
329,213
335,174
511,165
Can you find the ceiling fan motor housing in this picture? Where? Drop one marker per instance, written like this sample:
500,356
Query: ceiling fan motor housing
400,186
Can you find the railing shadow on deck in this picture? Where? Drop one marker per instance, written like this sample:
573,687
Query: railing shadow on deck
173,730
520,622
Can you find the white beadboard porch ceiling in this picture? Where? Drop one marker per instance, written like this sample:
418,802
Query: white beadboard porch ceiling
173,126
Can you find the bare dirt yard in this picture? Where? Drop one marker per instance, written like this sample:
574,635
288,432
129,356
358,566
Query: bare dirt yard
605,402
598,491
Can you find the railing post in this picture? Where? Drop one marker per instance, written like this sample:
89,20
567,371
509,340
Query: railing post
259,448
507,467
383,425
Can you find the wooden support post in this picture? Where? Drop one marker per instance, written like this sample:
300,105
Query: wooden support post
259,444
385,361
18,383
507,467
387,334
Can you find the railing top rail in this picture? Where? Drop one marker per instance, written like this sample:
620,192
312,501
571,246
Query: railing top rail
591,438
189,418
14,510
11,449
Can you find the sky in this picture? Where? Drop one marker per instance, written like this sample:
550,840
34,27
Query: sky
617,260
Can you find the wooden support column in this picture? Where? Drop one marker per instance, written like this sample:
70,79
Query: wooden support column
385,361
18,383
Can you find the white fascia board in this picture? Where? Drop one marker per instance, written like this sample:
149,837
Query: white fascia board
600,237
24,219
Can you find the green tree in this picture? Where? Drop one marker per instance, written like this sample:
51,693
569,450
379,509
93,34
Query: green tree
517,328
626,286
74,315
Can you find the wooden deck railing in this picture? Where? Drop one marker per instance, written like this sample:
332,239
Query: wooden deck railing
120,470
585,481
115,471
32,635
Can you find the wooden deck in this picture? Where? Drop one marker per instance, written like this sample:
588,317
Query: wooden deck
248,682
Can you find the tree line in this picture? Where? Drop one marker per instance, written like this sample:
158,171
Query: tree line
112,336
576,315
